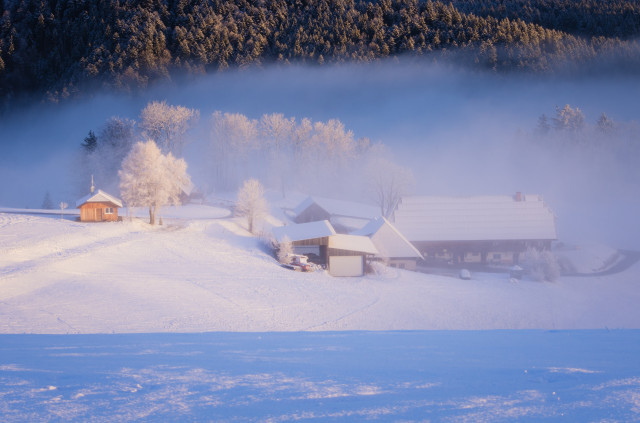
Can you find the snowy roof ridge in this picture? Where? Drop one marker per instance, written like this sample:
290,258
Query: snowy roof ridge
358,243
99,197
302,231
371,228
339,207
475,218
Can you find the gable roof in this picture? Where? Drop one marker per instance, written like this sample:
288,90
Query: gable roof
339,208
388,240
302,231
99,197
477,218
361,244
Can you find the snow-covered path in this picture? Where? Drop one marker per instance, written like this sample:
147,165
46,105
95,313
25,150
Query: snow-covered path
196,275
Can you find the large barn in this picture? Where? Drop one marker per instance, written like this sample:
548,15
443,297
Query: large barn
481,229
98,207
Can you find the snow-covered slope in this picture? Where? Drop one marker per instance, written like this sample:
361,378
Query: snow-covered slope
201,271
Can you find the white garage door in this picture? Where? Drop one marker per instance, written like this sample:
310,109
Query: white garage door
346,266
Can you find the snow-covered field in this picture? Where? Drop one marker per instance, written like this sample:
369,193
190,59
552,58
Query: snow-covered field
371,354
205,273
451,376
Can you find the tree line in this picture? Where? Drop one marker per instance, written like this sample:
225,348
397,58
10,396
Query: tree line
60,48
284,153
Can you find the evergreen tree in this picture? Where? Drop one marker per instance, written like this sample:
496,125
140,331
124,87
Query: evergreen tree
90,142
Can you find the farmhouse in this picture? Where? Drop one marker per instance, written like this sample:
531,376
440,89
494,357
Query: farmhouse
392,246
345,216
343,255
481,229
98,207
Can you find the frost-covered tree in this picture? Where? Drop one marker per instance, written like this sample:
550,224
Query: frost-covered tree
251,203
387,183
276,132
541,265
233,138
285,248
150,179
168,125
568,119
605,124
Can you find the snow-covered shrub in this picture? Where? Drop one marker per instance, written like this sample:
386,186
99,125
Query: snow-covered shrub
285,248
541,265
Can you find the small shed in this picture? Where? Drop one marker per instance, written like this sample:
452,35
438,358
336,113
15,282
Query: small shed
344,255
347,254
393,247
310,239
98,207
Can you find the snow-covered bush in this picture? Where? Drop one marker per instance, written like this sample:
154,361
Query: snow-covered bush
541,265
285,247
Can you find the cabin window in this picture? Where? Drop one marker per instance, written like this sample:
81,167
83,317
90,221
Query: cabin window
497,256
108,210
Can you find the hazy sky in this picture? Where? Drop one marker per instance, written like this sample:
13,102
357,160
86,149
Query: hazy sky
455,129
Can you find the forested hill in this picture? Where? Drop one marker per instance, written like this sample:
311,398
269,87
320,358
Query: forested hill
57,48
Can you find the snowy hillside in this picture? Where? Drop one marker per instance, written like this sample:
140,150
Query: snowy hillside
366,357
201,271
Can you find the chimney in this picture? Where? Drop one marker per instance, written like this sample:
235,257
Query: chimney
93,188
518,196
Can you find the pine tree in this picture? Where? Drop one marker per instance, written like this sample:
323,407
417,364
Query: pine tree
47,203
90,142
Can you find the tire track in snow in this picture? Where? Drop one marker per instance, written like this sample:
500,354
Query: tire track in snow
344,316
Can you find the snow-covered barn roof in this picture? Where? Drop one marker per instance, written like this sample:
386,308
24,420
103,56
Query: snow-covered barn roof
99,197
339,208
361,244
303,231
523,217
388,240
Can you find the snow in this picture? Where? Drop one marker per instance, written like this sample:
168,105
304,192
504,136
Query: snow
330,376
194,320
388,240
303,231
208,274
358,243
340,207
475,218
99,197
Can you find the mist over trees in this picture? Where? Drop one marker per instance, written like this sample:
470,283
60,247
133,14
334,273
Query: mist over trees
57,49
283,153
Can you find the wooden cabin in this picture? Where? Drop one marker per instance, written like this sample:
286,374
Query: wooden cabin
99,207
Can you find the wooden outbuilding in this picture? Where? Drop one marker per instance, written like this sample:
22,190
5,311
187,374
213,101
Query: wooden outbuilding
99,207
343,255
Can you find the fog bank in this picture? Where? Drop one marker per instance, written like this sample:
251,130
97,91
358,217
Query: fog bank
461,133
